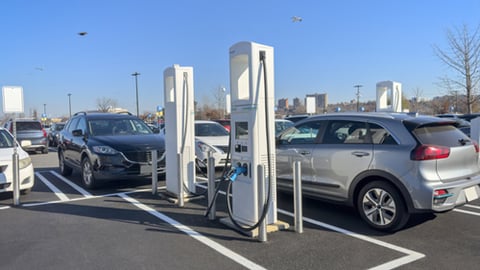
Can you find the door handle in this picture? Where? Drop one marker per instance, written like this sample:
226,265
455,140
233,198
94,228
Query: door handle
360,154
304,152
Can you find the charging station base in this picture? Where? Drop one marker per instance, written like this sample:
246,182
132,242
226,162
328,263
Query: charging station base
173,198
275,227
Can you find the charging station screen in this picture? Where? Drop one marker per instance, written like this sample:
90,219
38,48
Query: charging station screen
241,130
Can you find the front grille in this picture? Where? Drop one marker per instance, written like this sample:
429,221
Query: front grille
141,156
224,148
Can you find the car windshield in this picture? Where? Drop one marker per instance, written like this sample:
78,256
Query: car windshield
210,129
110,127
6,140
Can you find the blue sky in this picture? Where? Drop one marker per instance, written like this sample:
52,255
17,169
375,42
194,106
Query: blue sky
337,45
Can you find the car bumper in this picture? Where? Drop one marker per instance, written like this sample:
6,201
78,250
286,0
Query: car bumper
118,166
27,179
456,194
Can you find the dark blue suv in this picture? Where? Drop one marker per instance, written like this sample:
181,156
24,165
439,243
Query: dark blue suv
109,146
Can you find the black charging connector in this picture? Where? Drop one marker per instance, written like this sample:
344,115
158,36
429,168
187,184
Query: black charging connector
262,55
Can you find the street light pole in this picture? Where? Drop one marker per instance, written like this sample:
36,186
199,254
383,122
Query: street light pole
70,105
136,89
358,95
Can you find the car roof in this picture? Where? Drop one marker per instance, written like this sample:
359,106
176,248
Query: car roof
105,115
412,121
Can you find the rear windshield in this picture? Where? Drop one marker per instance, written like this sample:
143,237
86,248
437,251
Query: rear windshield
29,126
445,135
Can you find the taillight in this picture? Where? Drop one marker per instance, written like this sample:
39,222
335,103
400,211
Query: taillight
476,146
44,133
429,152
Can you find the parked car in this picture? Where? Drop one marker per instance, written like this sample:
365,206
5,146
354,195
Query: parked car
26,176
224,122
211,136
54,133
296,117
387,166
469,116
30,134
281,125
108,146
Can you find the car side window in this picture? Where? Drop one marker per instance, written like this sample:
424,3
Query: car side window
72,125
82,124
346,131
305,133
380,135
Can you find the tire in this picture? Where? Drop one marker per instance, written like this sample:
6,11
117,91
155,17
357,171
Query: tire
65,170
382,207
88,177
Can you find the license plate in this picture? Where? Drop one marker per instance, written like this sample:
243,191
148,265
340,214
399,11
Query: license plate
471,193
25,143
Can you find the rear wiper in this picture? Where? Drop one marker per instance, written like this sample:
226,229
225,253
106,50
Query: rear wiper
463,141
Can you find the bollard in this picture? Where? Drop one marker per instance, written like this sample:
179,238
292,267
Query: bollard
297,193
262,229
211,186
180,179
16,178
154,172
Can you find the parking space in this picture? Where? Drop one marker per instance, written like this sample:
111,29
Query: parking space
122,225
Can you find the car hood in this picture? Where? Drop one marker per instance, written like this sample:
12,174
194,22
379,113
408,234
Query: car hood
131,142
214,140
7,153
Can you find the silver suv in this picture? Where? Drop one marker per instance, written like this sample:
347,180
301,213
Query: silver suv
387,166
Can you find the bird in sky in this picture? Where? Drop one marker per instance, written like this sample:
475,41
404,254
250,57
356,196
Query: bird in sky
82,33
296,19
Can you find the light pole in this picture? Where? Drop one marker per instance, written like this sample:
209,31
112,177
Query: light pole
136,89
358,95
70,105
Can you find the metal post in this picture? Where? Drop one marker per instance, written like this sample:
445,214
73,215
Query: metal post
180,179
262,229
136,89
70,105
154,172
297,190
211,186
16,171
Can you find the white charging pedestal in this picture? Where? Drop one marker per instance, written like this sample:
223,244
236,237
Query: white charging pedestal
389,96
179,131
252,102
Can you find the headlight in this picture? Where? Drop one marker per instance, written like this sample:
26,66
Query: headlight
105,150
24,162
205,147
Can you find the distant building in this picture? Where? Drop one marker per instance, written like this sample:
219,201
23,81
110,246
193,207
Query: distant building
296,103
321,101
282,104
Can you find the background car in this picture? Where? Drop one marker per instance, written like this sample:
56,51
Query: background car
387,166
224,122
281,125
54,133
30,134
211,136
109,146
26,175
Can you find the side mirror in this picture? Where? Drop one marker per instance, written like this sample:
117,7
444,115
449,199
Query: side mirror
77,132
156,130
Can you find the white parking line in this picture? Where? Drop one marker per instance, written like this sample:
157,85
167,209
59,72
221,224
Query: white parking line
466,212
4,207
196,235
472,206
53,188
76,187
411,255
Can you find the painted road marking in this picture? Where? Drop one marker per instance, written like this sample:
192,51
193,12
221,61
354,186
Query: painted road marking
73,185
52,187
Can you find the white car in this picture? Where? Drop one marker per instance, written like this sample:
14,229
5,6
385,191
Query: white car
211,136
26,175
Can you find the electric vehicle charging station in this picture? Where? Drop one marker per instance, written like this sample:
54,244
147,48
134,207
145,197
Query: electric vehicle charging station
389,96
179,131
252,132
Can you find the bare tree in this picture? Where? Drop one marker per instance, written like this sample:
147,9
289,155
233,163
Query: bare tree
106,104
463,56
